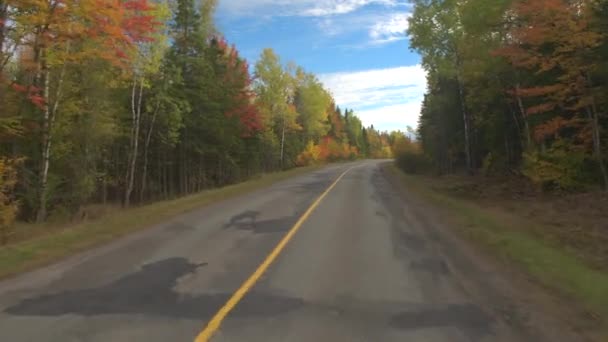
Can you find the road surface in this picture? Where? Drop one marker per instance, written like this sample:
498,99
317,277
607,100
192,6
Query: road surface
364,266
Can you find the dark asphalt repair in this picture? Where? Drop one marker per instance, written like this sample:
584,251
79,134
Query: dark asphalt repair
149,292
248,220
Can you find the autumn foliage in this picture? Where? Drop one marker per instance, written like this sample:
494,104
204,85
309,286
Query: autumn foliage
237,78
518,85
328,150
124,102
52,33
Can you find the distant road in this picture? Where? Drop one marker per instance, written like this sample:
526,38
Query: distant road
362,267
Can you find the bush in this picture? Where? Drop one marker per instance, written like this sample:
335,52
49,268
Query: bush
414,162
309,156
561,167
328,150
8,205
494,164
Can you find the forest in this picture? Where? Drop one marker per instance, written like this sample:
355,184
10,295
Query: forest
515,87
136,101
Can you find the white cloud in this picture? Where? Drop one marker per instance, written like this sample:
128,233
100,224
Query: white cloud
332,7
328,27
346,24
392,118
308,8
391,29
333,17
380,27
387,98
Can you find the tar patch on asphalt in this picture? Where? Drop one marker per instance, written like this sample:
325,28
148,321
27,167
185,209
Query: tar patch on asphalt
149,291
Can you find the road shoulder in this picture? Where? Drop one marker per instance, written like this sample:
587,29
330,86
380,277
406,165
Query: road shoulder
476,242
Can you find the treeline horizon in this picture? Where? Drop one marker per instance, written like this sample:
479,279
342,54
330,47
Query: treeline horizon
136,101
515,87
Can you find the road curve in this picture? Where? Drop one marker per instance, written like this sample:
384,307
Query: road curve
360,268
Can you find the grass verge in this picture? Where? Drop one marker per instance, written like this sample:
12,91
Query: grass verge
504,235
44,249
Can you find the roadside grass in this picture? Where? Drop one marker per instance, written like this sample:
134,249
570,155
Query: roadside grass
52,242
506,235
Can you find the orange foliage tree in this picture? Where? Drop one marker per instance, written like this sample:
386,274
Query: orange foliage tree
57,33
553,38
238,84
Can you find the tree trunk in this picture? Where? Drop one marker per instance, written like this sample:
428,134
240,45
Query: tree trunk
201,174
517,125
597,138
467,122
186,175
508,149
597,143
181,165
220,176
49,114
144,173
162,172
46,151
136,115
171,176
522,110
3,18
104,190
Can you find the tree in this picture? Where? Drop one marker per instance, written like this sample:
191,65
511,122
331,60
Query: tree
566,61
144,64
55,37
312,104
532,72
275,87
109,101
355,132
437,33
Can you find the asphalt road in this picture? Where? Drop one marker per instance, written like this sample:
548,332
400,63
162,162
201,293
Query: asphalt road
363,267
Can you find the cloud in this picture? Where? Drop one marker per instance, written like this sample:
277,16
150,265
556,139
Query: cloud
347,24
329,27
392,29
306,8
376,27
374,18
392,118
333,7
386,98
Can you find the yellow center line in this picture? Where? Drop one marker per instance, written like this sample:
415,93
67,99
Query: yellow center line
216,321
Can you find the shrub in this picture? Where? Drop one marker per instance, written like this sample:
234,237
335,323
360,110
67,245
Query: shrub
414,162
8,205
309,156
328,150
561,167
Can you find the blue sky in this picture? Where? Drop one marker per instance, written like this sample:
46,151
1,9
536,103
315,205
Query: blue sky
358,48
